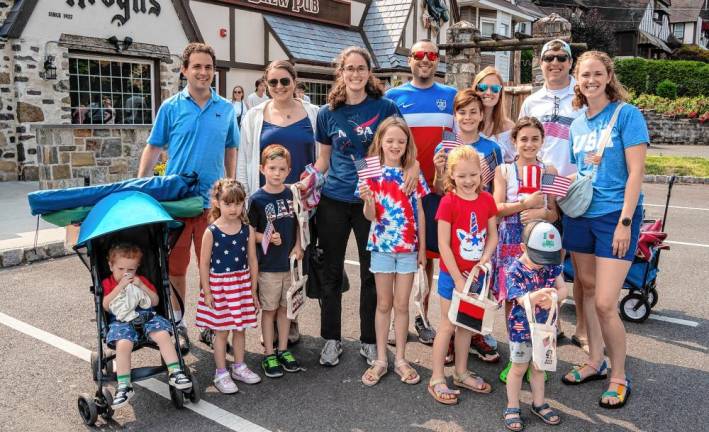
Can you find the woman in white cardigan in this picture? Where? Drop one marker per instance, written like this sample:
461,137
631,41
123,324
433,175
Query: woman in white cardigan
283,120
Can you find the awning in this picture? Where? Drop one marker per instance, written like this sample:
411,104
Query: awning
311,42
646,38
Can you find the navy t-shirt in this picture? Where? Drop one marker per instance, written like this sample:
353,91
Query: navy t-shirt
277,208
298,138
349,130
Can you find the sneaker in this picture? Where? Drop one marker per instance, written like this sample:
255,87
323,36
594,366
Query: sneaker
244,374
426,334
331,352
225,384
369,352
483,350
293,333
180,380
391,337
123,395
288,362
271,367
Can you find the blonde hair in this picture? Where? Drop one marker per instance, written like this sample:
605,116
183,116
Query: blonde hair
229,191
338,94
614,89
409,157
499,115
458,154
125,250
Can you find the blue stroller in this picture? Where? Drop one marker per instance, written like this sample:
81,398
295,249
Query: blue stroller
138,218
641,281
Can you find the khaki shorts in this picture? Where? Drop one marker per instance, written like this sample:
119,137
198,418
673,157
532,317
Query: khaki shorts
272,289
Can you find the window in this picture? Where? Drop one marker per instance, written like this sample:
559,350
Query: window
110,91
522,27
317,91
487,28
505,29
679,31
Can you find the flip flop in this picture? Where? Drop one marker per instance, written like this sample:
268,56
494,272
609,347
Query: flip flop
459,380
622,393
407,373
439,387
377,371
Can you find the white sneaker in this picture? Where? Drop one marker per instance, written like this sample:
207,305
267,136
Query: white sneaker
244,374
225,384
369,352
331,352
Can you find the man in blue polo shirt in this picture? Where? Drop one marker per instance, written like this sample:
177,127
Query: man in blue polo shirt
198,128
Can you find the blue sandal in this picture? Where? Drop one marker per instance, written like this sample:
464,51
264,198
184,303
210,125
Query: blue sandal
622,393
547,418
509,422
601,374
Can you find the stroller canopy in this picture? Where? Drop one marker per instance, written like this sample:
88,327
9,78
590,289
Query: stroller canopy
123,210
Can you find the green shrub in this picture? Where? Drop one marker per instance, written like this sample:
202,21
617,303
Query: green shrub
666,89
643,76
691,52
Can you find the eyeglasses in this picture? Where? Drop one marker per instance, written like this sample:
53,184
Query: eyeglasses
352,69
285,82
237,91
561,58
419,55
495,88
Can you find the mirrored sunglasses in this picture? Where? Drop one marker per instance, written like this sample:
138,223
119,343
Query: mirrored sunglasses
495,88
419,55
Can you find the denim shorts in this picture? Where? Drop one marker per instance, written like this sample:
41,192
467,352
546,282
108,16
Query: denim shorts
388,262
520,352
118,330
446,285
595,235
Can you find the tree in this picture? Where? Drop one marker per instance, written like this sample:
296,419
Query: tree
591,28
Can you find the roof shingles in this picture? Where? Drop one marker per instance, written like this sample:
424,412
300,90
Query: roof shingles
384,26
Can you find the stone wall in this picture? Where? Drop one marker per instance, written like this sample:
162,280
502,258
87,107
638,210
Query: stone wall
71,156
681,131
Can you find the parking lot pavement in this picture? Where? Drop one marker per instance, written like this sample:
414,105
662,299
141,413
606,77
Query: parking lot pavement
44,367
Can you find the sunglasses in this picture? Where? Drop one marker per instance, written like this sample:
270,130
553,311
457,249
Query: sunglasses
419,55
561,58
285,82
495,88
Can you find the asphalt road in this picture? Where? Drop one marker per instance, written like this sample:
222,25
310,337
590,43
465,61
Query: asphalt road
667,361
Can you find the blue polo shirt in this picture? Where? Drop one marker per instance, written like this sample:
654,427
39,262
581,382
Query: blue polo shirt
196,138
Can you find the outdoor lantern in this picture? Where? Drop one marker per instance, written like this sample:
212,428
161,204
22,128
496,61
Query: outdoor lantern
50,71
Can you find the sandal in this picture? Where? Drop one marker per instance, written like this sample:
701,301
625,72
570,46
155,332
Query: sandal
407,373
622,393
511,421
375,373
547,418
459,380
601,374
439,388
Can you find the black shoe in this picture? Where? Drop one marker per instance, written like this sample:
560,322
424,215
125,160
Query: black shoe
179,380
271,367
123,395
483,350
426,334
288,362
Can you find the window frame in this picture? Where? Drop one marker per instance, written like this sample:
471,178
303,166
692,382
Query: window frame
677,26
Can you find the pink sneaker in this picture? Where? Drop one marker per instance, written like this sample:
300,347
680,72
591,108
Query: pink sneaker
244,374
224,383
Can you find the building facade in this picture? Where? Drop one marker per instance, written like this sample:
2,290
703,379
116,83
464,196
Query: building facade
689,22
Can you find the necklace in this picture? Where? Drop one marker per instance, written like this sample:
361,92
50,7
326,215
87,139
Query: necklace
285,115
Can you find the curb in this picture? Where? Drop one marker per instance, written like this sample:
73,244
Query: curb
664,179
28,255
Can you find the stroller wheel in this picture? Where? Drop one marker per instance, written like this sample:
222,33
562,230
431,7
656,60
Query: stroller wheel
652,297
107,411
94,365
87,409
634,308
195,394
177,397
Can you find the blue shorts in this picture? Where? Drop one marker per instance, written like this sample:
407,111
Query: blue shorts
388,262
446,285
595,235
118,330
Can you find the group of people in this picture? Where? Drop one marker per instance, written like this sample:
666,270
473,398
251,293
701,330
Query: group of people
432,200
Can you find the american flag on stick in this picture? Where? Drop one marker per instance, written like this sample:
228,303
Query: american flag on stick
487,165
449,145
531,178
555,185
369,167
267,234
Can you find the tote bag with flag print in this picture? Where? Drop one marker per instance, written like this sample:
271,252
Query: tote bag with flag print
295,296
543,335
474,312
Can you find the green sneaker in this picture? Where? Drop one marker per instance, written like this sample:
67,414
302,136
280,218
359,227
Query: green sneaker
271,367
288,362
528,375
505,371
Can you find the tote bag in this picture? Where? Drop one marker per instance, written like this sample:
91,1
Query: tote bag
421,292
543,335
295,296
474,312
580,194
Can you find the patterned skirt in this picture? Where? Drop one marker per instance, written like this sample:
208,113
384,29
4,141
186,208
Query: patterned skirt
233,303
508,250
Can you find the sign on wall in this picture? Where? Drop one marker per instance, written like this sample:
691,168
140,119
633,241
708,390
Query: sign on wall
328,11
125,7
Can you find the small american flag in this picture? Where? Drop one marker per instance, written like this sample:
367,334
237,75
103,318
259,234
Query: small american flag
369,167
531,177
267,234
448,145
555,185
487,165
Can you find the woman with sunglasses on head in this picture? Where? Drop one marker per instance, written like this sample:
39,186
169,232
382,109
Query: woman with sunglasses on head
283,120
488,85
237,99
345,130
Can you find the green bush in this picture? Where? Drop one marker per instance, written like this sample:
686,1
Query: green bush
666,89
691,52
643,76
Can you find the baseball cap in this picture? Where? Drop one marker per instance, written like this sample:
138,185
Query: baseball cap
543,243
564,46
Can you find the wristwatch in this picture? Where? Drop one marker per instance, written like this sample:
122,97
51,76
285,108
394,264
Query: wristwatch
626,221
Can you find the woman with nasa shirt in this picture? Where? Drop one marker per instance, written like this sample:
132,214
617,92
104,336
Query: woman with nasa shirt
345,128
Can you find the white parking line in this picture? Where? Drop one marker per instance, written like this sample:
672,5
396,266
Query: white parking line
677,207
687,244
205,409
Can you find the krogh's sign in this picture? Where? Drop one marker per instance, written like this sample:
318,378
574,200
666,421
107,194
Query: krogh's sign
150,7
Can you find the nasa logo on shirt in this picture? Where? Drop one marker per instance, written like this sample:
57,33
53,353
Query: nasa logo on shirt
441,104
